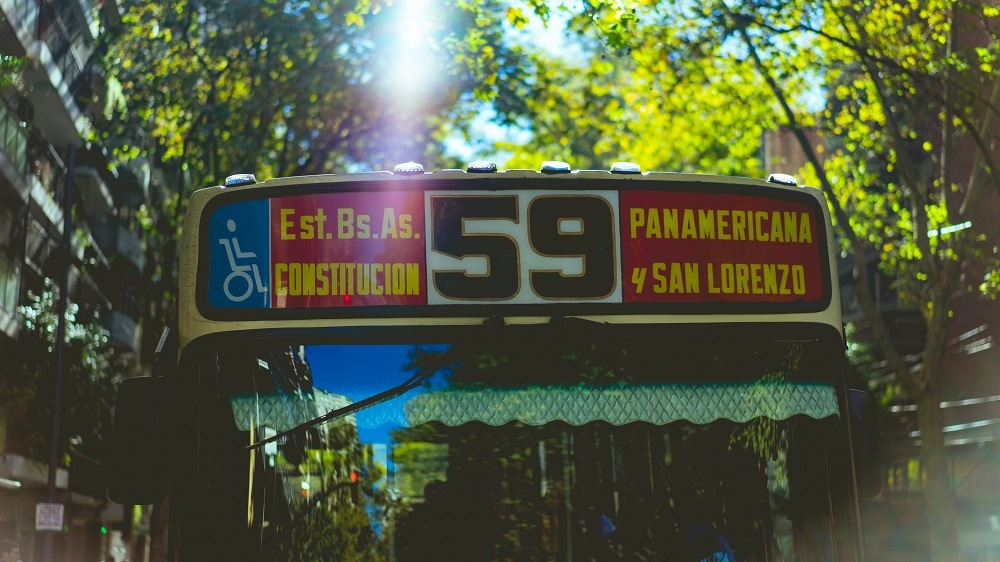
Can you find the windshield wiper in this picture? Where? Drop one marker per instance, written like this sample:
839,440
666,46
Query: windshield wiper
422,374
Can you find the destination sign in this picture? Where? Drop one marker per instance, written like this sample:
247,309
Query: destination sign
378,248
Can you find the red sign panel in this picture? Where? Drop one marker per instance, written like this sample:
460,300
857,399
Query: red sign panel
695,247
347,249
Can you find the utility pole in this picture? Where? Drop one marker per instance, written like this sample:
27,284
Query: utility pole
66,249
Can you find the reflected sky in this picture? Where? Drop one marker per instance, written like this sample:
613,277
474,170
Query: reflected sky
360,371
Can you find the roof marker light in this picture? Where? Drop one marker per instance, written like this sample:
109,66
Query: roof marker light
481,167
239,179
555,167
625,168
783,179
408,169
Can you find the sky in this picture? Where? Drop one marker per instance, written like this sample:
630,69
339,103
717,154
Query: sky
360,371
551,39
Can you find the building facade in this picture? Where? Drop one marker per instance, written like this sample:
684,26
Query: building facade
45,155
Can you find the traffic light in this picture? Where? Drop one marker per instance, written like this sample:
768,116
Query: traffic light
355,485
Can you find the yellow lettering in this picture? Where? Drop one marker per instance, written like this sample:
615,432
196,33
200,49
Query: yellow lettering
280,270
688,230
760,221
638,278
770,279
306,226
377,268
798,279
398,279
739,225
712,289
676,278
364,231
691,277
295,279
728,282
723,217
349,277
755,285
670,223
412,279
660,286
791,227
322,278
405,226
345,223
286,224
783,285
364,279
805,229
308,279
742,278
320,224
636,219
706,224
389,224
776,234
653,225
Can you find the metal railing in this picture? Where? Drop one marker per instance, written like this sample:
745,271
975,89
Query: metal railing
46,165
13,138
59,29
25,13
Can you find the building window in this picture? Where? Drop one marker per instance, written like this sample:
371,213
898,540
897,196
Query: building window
9,279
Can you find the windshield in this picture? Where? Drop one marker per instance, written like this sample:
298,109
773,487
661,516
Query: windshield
523,449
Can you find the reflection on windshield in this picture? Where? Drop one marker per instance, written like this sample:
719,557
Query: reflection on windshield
536,453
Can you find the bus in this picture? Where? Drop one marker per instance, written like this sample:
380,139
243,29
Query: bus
521,365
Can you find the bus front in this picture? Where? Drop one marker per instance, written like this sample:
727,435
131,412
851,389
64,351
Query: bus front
510,366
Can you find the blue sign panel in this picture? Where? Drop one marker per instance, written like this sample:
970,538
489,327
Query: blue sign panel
239,256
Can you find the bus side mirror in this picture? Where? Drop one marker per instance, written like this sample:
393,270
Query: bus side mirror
138,464
865,442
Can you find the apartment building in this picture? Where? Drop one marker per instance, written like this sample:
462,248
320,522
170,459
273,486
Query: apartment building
44,126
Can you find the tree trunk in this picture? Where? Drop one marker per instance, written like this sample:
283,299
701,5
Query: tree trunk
158,530
939,497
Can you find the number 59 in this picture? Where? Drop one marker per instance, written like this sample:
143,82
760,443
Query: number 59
557,226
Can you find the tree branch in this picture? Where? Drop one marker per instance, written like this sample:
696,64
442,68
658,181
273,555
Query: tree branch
859,250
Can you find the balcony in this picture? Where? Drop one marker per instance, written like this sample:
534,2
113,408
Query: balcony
18,25
121,246
57,38
13,144
30,473
130,186
93,191
123,331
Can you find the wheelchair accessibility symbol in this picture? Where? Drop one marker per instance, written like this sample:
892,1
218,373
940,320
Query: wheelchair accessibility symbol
241,274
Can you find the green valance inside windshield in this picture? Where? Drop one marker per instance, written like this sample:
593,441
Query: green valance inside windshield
578,405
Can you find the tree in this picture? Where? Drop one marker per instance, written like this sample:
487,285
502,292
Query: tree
10,70
92,372
292,88
283,88
904,96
